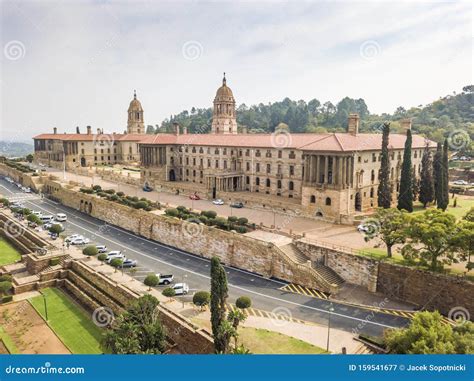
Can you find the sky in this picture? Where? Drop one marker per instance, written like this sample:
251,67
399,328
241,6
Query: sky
75,63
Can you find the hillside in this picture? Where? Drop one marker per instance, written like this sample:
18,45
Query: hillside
15,149
452,114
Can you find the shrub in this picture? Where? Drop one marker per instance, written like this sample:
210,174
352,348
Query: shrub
102,194
96,188
135,198
243,302
4,201
90,250
114,197
220,222
116,262
201,298
143,199
34,218
120,194
26,211
102,257
110,191
169,292
232,219
54,261
242,221
182,209
148,208
86,190
172,212
140,205
210,214
6,277
151,281
55,229
7,298
242,229
203,219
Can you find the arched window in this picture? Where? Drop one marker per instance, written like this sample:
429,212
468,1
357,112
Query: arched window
268,182
312,200
279,184
291,185
257,181
372,175
328,201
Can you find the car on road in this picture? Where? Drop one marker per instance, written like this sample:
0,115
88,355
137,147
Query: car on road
73,236
194,196
218,202
237,205
80,241
114,254
181,288
165,279
46,218
37,213
127,263
26,189
146,188
101,249
61,217
461,182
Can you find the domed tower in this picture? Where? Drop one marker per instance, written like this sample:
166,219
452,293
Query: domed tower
223,117
135,124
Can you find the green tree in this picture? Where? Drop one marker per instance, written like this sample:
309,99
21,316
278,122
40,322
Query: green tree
219,292
405,196
29,158
426,178
445,173
428,334
201,298
90,250
390,227
55,229
34,219
169,292
243,302
138,330
438,177
384,190
433,239
236,316
151,280
5,286
116,263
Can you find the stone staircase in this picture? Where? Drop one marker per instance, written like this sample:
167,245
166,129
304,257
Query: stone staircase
61,263
294,253
329,274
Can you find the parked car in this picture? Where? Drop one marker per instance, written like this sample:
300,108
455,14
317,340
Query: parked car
237,205
61,217
37,213
72,237
362,228
80,241
165,279
218,202
54,236
127,263
101,249
27,190
46,218
194,196
461,182
146,188
181,288
114,254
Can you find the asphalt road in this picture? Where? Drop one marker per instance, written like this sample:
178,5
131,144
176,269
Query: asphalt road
155,257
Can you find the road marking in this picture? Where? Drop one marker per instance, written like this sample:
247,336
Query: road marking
234,286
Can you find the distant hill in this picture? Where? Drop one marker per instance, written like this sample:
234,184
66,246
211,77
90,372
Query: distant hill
15,149
437,120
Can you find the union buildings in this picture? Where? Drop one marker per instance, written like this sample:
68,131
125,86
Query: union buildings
332,175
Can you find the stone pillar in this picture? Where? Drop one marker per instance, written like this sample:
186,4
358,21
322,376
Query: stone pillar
326,169
318,166
340,161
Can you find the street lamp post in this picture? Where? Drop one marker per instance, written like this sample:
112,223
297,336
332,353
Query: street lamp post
45,307
184,277
331,310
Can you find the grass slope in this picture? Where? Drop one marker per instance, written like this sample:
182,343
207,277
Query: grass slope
69,321
8,254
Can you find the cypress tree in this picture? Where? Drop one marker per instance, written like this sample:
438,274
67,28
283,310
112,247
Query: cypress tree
384,190
426,182
405,197
218,299
445,174
437,175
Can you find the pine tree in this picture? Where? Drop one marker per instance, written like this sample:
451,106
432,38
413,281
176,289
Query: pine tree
384,190
405,197
218,303
426,182
437,175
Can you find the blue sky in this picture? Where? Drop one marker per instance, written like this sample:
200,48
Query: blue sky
69,63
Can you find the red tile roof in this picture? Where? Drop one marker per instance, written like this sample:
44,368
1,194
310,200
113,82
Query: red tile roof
334,142
91,137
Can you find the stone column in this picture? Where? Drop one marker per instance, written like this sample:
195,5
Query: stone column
340,162
318,169
326,169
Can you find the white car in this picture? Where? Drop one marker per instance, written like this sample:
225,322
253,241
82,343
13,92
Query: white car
80,241
363,228
113,255
218,202
73,237
27,189
61,217
101,249
461,182
181,288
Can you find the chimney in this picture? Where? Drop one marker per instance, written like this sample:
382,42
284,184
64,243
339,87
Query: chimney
353,124
176,128
55,130
77,130
185,130
406,124
89,128
98,131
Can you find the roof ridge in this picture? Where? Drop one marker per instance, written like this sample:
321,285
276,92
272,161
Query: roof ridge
338,141
318,140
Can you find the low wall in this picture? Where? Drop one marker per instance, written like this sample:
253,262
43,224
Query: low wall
352,268
26,179
426,289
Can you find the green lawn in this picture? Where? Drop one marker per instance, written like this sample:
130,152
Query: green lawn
8,254
69,321
8,342
262,341
463,206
